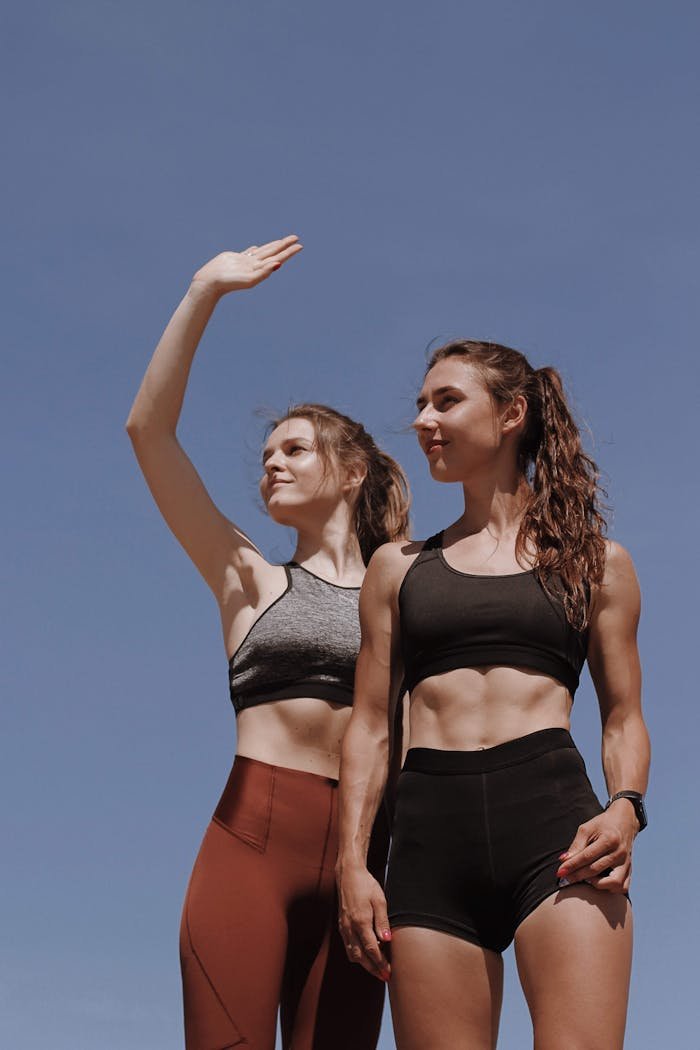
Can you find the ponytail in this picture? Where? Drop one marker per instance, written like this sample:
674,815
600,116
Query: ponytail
381,513
562,518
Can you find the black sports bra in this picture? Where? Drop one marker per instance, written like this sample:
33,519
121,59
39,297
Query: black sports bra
304,644
452,619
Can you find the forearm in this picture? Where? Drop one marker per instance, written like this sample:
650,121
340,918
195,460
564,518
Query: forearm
363,774
158,402
626,753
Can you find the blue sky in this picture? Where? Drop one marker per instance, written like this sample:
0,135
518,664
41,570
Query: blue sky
519,172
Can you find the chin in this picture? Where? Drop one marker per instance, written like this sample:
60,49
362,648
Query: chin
439,471
283,512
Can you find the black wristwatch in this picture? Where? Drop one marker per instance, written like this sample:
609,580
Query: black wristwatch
637,801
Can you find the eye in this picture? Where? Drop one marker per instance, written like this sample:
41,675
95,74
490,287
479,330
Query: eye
447,401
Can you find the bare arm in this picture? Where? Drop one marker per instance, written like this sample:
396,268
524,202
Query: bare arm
606,842
213,542
364,765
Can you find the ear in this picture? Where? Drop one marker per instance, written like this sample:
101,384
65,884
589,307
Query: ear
354,478
513,418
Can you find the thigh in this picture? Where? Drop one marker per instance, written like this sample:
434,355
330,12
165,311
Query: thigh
232,946
445,992
329,1003
574,954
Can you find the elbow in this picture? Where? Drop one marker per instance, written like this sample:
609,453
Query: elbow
141,430
135,428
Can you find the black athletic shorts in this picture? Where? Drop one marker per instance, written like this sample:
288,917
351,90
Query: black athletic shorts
478,834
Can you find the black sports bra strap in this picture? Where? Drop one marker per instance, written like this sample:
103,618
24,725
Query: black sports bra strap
430,549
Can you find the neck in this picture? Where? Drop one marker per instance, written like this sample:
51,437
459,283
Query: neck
493,503
331,548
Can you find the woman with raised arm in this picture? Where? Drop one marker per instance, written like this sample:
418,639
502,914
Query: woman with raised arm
498,835
259,925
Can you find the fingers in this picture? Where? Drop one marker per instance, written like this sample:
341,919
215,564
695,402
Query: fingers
382,928
260,262
275,247
591,863
265,265
600,855
362,946
580,841
287,253
613,880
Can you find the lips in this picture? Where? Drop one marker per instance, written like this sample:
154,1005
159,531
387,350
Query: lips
272,485
433,446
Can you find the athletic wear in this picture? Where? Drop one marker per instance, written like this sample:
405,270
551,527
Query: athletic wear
477,835
452,619
260,921
304,644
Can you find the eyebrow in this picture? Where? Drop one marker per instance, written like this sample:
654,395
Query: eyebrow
420,401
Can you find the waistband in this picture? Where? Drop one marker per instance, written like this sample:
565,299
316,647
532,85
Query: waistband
252,767
488,759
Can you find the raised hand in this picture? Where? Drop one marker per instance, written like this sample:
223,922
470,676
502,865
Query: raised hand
235,271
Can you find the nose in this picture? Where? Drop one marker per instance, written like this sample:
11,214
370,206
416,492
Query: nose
274,462
424,420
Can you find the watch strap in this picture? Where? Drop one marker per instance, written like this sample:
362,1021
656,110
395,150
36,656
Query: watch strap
637,800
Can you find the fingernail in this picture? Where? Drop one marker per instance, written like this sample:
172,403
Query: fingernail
386,934
562,873
563,856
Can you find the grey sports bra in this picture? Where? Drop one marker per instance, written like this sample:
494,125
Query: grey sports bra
304,644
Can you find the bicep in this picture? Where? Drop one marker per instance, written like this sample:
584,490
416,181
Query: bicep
378,671
613,655
214,543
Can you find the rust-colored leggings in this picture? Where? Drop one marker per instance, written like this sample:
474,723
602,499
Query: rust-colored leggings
259,926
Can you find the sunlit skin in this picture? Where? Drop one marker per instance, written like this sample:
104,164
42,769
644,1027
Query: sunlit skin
467,438
296,488
300,492
574,950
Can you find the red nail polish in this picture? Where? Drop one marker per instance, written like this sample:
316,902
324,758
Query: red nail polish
563,856
561,873
386,934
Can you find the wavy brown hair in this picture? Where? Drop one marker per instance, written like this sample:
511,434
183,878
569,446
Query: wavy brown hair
563,517
381,510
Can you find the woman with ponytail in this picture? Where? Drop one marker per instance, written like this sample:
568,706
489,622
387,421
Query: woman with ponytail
259,926
498,836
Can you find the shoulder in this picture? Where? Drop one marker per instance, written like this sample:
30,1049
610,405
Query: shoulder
388,567
619,567
620,586
391,556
